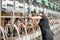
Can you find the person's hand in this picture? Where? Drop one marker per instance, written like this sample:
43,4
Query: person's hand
35,25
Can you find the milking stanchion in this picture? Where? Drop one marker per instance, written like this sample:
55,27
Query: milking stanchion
27,35
2,34
29,32
18,24
11,37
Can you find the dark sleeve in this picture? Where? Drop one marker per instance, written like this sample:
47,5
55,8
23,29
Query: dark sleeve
43,20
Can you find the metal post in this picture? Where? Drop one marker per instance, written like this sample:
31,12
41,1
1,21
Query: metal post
29,10
0,15
17,31
24,7
12,18
0,10
1,28
13,11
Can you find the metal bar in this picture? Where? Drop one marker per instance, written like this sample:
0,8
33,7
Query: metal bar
17,31
15,17
25,31
2,32
13,11
0,10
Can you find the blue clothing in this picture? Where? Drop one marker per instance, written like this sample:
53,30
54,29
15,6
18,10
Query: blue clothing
45,28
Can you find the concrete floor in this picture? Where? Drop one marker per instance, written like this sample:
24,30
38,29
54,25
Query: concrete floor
57,36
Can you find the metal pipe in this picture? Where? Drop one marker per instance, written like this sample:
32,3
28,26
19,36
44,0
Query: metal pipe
0,10
17,30
1,28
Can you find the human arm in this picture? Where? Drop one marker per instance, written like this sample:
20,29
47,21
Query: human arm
36,17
